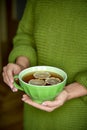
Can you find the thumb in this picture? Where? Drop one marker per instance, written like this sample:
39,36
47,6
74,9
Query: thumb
16,70
50,103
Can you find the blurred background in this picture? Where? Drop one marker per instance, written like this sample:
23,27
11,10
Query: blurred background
11,106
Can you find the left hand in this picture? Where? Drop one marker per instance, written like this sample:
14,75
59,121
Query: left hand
73,90
48,106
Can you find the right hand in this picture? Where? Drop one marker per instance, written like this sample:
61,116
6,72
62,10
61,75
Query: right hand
9,71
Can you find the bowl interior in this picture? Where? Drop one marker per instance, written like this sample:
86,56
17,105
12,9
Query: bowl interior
42,68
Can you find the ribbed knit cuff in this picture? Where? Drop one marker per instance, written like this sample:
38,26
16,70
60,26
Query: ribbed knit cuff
29,52
81,78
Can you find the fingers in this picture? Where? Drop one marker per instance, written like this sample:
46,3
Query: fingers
48,106
8,76
55,103
45,107
27,99
59,100
9,82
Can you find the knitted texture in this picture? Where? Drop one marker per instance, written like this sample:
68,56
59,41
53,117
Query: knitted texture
54,32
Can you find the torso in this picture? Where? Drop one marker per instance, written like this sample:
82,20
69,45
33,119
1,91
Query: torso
61,34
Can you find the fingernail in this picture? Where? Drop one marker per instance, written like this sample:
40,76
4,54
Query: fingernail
22,99
11,81
44,104
14,89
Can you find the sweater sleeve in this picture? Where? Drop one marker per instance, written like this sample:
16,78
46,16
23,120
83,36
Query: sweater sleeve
81,78
23,42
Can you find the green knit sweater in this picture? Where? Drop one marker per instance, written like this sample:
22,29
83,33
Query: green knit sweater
54,32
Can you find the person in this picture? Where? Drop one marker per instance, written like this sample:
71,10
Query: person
53,33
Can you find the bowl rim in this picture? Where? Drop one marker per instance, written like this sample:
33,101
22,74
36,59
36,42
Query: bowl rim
31,85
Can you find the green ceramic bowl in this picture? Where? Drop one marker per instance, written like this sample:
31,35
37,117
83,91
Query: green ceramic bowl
40,93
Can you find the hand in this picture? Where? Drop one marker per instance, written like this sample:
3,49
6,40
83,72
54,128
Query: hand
8,72
48,106
12,69
73,90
